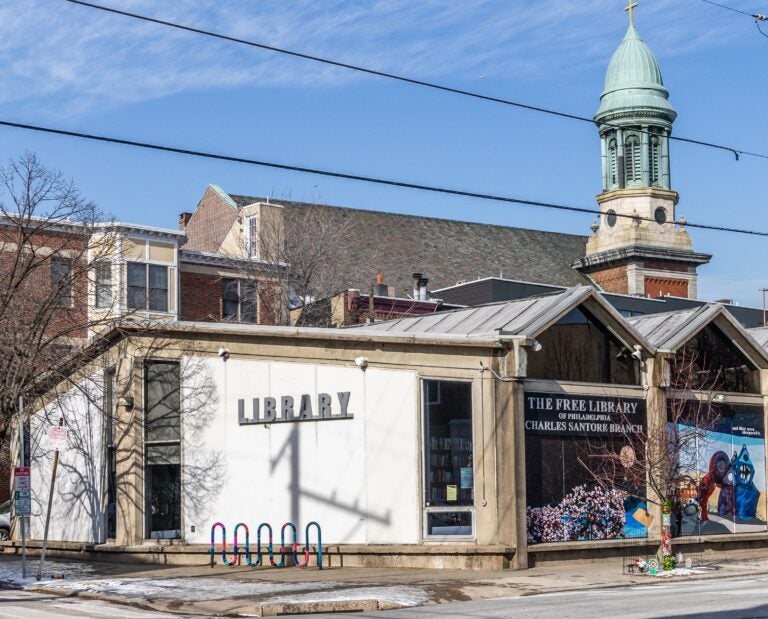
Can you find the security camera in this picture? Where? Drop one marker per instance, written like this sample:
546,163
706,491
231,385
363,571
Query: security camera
637,353
361,362
536,345
224,353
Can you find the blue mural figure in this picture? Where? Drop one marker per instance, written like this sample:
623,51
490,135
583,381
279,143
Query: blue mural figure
746,492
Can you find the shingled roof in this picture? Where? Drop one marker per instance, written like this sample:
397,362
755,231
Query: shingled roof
445,251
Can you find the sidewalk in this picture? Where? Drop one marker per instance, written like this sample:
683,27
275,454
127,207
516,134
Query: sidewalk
233,591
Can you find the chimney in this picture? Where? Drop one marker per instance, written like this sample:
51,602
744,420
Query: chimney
380,289
416,280
423,288
184,220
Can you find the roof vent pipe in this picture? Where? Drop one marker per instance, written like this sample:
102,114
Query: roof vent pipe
416,280
423,288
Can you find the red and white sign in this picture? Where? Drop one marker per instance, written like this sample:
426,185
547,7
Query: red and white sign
57,437
22,494
21,478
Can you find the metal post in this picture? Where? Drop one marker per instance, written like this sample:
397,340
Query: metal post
21,463
48,514
763,290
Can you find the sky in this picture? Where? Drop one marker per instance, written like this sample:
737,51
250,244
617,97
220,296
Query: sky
75,68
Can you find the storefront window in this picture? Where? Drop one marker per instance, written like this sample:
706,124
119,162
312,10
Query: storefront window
162,449
572,494
449,474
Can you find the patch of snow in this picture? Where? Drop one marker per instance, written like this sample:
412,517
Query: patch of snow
683,571
10,571
402,595
186,589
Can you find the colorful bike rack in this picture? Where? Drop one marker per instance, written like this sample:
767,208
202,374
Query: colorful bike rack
223,545
246,550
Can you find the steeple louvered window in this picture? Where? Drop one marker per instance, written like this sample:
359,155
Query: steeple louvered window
632,161
613,167
654,163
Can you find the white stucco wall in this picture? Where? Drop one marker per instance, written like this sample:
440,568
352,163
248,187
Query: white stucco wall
77,512
357,477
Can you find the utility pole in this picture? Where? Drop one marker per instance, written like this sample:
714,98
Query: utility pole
23,517
763,290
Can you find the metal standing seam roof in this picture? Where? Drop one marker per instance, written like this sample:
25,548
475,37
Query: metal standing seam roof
523,317
670,330
760,335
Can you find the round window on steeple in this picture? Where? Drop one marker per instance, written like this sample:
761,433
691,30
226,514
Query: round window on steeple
660,215
610,218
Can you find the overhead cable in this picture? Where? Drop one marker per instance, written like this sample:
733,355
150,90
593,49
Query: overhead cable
736,152
353,177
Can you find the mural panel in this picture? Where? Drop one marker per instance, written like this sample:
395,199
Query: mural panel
564,501
726,492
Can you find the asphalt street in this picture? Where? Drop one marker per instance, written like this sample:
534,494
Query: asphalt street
735,598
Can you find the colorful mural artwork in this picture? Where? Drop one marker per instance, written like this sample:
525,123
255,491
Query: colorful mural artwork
727,492
564,501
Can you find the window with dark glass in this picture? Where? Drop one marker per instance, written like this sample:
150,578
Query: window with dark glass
162,442
110,454
449,473
103,285
710,361
579,348
230,299
61,281
158,288
137,285
147,287
238,300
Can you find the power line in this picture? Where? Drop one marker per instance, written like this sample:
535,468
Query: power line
756,16
401,78
352,177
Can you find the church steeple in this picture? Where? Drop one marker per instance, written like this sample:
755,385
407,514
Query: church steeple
637,248
635,118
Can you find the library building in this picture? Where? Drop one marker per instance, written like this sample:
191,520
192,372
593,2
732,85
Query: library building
471,438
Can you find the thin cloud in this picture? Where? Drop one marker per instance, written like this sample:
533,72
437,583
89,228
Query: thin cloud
87,59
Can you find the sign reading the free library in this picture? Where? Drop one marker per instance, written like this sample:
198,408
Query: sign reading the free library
568,414
288,409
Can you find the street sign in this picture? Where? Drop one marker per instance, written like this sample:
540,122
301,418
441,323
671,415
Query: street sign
22,502
22,493
57,438
21,478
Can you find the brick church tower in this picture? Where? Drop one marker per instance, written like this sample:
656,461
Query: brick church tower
638,248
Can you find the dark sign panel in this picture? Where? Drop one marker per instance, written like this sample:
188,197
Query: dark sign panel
564,414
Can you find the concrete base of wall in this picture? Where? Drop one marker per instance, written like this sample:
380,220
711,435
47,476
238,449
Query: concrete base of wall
566,552
443,556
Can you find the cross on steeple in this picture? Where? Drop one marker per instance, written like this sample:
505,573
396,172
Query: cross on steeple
631,8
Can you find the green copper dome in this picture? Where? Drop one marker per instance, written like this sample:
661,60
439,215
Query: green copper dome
633,83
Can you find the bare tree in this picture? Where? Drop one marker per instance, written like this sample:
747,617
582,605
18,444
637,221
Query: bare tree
48,252
304,261
657,462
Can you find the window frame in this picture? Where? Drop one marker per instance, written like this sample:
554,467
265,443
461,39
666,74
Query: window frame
64,295
424,421
147,267
252,236
100,284
162,442
241,299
